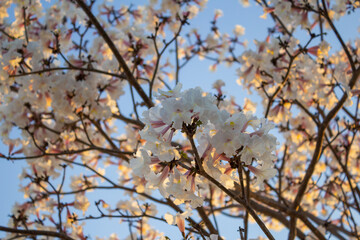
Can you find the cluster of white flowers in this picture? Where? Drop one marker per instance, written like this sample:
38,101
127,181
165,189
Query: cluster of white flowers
218,135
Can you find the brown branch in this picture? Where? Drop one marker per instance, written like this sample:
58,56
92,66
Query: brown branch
338,36
306,111
119,58
189,219
206,220
302,215
108,139
6,34
129,120
177,62
286,77
317,153
347,174
275,17
160,53
242,202
277,215
36,233
66,152
25,24
67,68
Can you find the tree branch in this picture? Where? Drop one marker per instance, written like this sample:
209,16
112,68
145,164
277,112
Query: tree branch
36,233
119,58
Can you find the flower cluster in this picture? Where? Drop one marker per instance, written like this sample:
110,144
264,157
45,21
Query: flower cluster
217,139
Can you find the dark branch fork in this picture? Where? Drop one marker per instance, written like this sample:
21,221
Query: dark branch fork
119,58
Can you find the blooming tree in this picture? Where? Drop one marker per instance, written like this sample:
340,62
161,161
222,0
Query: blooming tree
69,70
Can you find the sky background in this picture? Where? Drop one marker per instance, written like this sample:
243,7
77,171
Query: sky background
196,73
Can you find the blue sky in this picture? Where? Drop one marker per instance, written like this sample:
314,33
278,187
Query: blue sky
194,74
